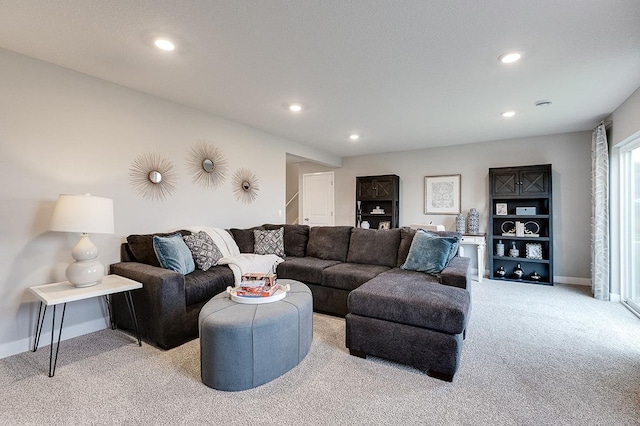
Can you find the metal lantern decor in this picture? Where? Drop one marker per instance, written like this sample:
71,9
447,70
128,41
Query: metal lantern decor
152,176
245,186
207,164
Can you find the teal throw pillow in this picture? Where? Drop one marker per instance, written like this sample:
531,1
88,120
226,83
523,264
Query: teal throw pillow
173,253
455,239
429,253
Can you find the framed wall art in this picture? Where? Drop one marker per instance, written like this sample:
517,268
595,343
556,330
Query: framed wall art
442,194
501,209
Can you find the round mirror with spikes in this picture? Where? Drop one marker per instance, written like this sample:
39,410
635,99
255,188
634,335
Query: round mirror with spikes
207,165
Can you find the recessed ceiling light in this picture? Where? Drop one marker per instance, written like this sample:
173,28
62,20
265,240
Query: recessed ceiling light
354,136
295,107
164,44
509,58
508,114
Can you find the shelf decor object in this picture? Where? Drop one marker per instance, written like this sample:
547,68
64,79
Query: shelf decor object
153,176
522,218
473,222
442,194
245,186
377,201
207,164
85,215
533,251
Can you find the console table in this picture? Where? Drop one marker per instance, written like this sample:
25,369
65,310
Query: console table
64,292
480,241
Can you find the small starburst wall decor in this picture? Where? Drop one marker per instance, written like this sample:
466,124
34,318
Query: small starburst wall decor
207,165
153,176
245,186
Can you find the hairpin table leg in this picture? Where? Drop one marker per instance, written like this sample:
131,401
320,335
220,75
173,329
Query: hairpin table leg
132,311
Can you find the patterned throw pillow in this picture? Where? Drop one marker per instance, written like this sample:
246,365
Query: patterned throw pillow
269,242
205,252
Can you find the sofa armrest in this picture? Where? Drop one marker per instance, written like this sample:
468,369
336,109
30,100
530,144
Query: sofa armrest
457,273
160,303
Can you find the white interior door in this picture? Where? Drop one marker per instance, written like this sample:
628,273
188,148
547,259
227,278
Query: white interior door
317,199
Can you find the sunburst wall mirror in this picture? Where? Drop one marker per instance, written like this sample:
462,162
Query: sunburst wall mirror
207,165
153,176
245,186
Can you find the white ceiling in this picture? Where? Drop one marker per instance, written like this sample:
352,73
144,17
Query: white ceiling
406,74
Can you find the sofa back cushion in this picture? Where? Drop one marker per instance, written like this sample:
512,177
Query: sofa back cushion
141,247
406,238
296,238
329,242
374,246
244,238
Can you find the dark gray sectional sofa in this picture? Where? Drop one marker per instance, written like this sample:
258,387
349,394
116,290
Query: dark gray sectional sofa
351,272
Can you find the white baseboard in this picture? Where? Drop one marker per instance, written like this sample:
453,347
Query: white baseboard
26,344
615,297
572,280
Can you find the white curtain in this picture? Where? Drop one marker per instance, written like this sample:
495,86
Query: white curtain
600,214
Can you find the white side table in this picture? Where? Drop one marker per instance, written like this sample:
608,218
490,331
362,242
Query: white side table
65,292
480,241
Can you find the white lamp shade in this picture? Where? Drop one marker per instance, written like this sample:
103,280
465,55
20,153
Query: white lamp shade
83,213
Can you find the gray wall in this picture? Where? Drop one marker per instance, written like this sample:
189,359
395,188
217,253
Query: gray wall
65,132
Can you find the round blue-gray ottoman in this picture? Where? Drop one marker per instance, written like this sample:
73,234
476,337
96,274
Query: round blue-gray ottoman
243,346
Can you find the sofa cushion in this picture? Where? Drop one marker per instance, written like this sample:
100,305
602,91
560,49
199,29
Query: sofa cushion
141,246
329,242
348,276
269,242
244,238
406,238
296,238
429,253
374,247
412,298
174,254
305,269
204,251
200,286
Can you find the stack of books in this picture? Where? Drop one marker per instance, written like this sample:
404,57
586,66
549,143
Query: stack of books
257,285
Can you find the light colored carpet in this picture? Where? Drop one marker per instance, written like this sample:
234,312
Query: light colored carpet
534,355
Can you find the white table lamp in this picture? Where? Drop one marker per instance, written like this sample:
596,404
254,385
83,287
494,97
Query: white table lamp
84,214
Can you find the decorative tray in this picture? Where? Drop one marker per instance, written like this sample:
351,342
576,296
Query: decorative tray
280,294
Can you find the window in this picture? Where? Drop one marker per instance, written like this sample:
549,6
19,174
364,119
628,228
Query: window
630,223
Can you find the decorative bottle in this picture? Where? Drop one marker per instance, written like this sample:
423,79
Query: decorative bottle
499,248
473,221
518,272
460,223
513,251
500,272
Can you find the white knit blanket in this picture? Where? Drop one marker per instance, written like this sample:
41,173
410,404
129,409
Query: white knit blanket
240,263
249,262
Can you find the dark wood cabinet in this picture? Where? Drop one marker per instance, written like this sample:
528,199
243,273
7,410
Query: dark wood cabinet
377,200
514,181
521,219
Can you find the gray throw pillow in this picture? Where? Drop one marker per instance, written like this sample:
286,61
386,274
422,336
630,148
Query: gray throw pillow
428,253
204,251
173,253
269,242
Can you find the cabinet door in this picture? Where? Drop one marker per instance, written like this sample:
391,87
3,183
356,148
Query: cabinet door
505,183
366,189
384,189
534,182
